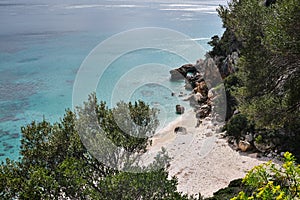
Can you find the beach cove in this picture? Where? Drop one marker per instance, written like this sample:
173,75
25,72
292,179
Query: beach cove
42,45
201,157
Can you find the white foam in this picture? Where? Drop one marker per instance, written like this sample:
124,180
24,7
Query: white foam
101,5
84,6
201,38
179,5
124,6
186,19
207,9
214,13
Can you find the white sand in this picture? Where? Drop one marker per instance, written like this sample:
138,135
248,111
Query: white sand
200,160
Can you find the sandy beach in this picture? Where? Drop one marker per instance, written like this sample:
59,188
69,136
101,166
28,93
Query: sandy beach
201,160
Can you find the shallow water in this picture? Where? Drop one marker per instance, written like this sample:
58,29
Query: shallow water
43,43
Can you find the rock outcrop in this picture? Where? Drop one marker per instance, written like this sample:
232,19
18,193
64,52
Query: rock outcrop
196,77
179,109
182,72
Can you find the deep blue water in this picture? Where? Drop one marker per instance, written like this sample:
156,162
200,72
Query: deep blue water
44,42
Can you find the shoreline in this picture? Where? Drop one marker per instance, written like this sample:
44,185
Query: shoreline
200,159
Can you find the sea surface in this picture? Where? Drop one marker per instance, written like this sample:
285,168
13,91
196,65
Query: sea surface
44,42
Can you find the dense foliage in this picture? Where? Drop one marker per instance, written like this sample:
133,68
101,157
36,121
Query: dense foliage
56,165
264,89
268,181
268,68
55,162
237,125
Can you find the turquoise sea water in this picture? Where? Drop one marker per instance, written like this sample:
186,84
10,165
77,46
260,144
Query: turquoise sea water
43,43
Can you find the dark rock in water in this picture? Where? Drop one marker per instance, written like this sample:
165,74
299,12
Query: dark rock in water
188,86
2,154
5,144
15,135
180,130
176,75
8,148
179,109
173,94
3,133
182,72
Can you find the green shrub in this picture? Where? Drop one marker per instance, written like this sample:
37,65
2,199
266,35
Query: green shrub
259,139
237,125
229,192
269,181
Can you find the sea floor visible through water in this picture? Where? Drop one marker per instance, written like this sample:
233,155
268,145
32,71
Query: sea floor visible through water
42,45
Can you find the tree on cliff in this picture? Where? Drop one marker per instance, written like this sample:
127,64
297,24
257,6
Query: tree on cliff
56,165
269,66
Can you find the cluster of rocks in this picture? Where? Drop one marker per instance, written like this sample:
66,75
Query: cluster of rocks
201,79
200,97
257,142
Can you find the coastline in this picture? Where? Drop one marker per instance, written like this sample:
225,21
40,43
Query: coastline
200,159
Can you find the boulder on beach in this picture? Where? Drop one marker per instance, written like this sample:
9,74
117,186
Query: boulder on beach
179,109
244,146
180,130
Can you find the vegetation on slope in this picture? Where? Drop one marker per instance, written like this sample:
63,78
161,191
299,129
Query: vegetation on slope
56,165
265,85
264,89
